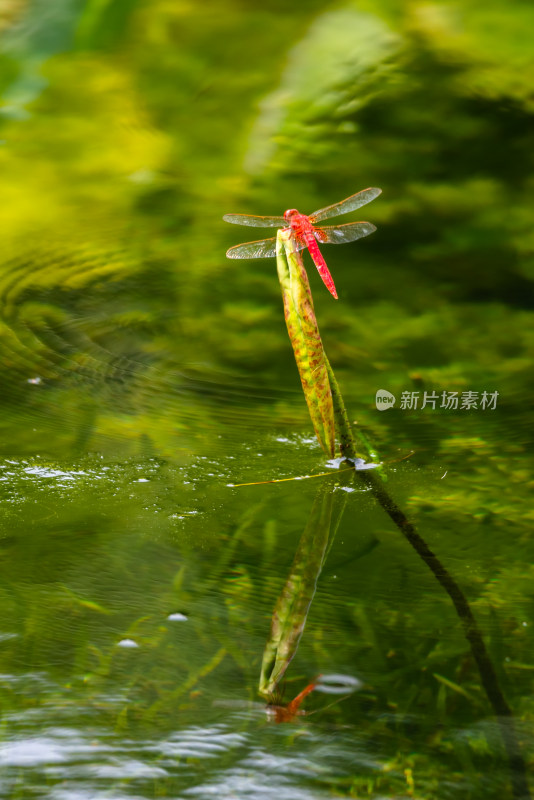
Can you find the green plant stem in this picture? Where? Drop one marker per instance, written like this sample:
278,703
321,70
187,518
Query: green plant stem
472,632
346,435
347,443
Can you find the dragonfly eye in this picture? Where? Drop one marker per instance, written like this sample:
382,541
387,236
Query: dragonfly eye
289,213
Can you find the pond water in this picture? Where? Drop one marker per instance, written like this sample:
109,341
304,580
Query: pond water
179,558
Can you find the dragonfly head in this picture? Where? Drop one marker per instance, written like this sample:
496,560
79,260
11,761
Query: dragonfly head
290,213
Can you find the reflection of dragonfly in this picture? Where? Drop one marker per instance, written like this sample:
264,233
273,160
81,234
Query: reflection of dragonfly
306,233
330,684
289,712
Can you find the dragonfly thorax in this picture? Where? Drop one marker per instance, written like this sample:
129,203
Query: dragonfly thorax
299,223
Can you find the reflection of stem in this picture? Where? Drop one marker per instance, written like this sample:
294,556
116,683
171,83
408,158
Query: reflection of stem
472,632
291,610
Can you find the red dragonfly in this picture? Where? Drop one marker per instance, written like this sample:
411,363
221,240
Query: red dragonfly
306,233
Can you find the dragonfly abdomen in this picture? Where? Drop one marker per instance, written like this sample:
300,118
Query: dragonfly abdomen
320,263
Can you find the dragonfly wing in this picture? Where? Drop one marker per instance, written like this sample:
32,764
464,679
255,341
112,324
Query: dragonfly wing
264,248
256,222
349,204
338,234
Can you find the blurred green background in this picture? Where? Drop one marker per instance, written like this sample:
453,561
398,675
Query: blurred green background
142,372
